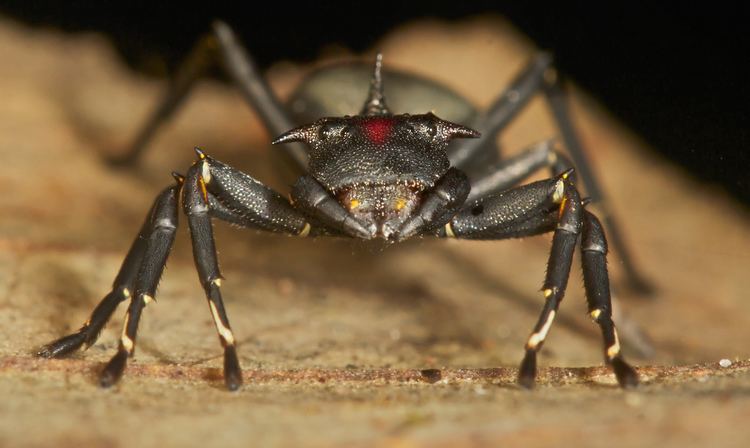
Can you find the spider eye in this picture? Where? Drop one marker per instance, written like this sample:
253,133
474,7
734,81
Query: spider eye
430,129
325,132
422,127
332,129
425,129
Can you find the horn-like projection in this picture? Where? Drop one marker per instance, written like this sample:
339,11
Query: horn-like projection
452,130
305,134
448,130
375,104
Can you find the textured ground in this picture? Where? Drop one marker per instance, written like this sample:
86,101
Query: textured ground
338,340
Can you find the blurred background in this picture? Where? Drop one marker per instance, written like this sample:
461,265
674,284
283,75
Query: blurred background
676,75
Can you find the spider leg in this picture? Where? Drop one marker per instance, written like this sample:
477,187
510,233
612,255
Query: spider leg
509,172
219,47
122,288
234,197
536,208
196,207
438,206
556,280
502,111
239,199
312,198
557,100
213,189
540,76
528,210
596,282
159,239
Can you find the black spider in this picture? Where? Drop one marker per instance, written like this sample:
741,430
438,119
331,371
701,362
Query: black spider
373,175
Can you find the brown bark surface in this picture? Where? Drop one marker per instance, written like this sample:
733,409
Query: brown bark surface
344,345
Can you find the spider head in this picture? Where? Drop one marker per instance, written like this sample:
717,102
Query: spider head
378,164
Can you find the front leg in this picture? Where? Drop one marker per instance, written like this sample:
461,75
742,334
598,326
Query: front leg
439,205
209,190
309,196
164,210
541,207
196,207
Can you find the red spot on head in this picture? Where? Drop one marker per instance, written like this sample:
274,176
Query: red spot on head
378,129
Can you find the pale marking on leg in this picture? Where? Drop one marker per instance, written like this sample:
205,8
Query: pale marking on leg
216,281
205,172
449,230
225,333
127,343
305,230
126,293
614,349
547,292
537,338
595,314
164,223
557,195
125,340
147,299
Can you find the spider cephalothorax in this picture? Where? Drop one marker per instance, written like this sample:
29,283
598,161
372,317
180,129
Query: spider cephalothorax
372,175
378,165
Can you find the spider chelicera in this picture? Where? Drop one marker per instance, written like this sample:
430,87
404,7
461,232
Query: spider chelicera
374,175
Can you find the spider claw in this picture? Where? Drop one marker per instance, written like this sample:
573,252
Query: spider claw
304,134
626,375
62,347
113,370
232,370
527,371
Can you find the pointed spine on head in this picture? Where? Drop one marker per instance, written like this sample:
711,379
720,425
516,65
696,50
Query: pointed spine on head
305,134
452,130
375,103
447,130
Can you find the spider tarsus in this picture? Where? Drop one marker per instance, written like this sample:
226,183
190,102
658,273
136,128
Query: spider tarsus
527,371
62,347
112,372
232,369
626,375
